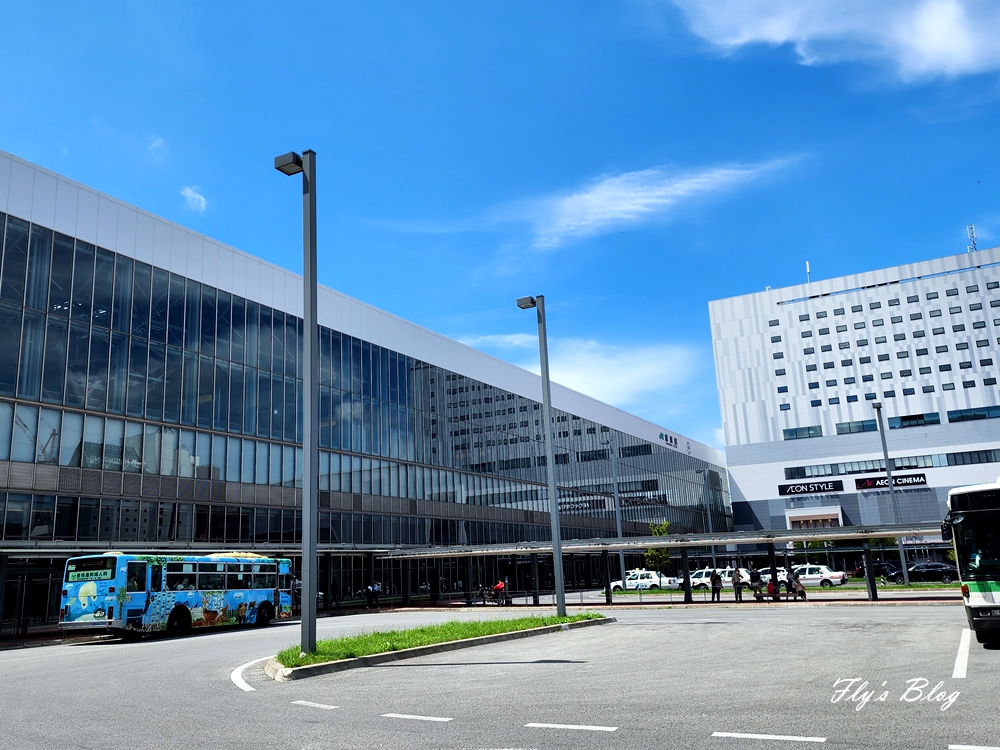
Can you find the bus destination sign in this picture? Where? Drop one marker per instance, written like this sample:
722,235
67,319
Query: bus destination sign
880,483
811,488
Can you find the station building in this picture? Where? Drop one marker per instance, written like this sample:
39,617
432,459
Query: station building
151,398
800,368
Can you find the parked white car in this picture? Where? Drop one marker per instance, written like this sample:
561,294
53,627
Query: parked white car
819,575
765,576
702,579
645,579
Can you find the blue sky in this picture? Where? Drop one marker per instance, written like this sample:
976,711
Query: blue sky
629,160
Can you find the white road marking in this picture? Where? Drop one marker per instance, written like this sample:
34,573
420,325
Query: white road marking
573,726
237,675
415,718
313,705
971,747
962,658
788,738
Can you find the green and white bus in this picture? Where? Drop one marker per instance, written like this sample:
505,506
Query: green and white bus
973,527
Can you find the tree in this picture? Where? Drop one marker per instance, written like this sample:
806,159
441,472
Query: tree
658,558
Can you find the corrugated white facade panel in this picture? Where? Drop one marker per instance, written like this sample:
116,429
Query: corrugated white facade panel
85,213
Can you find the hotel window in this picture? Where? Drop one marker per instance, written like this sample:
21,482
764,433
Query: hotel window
992,284
894,302
944,368
852,399
961,346
913,298
841,328
975,306
908,391
935,313
862,342
954,310
816,402
870,396
921,352
896,319
925,370
880,339
972,289
964,365
951,292
779,372
899,337
778,355
979,324
918,334
807,334
785,407
839,311
844,345
874,305
986,363
857,308
813,386
859,325
990,381
809,350
772,323
928,389
831,383
823,331
941,349
811,368
828,365
888,394
826,348
864,360
867,378
883,358
849,381
905,373
834,401
776,339
902,355
937,331
886,376
932,295
947,386
915,316
846,362
782,389
968,383
804,317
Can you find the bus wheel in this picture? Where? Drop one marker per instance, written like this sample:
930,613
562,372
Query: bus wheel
179,621
264,615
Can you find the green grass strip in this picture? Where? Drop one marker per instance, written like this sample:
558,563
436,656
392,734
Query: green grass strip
367,644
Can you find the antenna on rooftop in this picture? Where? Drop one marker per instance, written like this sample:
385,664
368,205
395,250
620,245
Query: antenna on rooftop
972,237
807,272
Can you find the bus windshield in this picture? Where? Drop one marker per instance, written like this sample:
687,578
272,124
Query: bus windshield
91,569
977,545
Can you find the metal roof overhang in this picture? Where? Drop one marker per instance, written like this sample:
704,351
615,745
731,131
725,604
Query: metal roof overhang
636,544
26,549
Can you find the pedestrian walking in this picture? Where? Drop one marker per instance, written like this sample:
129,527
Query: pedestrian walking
755,584
800,590
716,580
738,584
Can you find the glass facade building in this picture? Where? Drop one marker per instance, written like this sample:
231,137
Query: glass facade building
150,400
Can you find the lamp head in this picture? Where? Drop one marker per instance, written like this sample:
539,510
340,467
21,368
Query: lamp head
526,303
877,406
290,163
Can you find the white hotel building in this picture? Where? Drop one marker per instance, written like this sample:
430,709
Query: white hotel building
799,369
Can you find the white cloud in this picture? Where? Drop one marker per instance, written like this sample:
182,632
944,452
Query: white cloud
157,148
195,200
502,341
646,379
918,39
615,201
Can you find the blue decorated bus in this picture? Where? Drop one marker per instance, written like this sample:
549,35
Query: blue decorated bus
135,594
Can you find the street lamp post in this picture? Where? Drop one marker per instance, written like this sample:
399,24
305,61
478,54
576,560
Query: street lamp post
708,508
292,164
892,491
612,449
526,303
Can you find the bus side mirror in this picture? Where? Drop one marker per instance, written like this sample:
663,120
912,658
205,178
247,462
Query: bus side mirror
946,531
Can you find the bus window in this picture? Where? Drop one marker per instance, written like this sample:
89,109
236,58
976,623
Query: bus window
155,577
238,576
211,576
180,576
135,577
264,580
284,582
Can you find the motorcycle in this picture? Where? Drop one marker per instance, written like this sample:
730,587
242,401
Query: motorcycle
493,594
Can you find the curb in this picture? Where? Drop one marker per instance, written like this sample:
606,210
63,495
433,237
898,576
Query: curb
279,673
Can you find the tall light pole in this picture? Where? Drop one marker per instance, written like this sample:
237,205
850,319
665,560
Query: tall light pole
618,503
292,164
892,491
708,509
526,303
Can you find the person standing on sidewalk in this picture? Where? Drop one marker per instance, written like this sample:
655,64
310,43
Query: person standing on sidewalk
716,580
738,584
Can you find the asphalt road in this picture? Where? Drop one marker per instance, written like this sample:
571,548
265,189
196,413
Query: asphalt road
660,678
